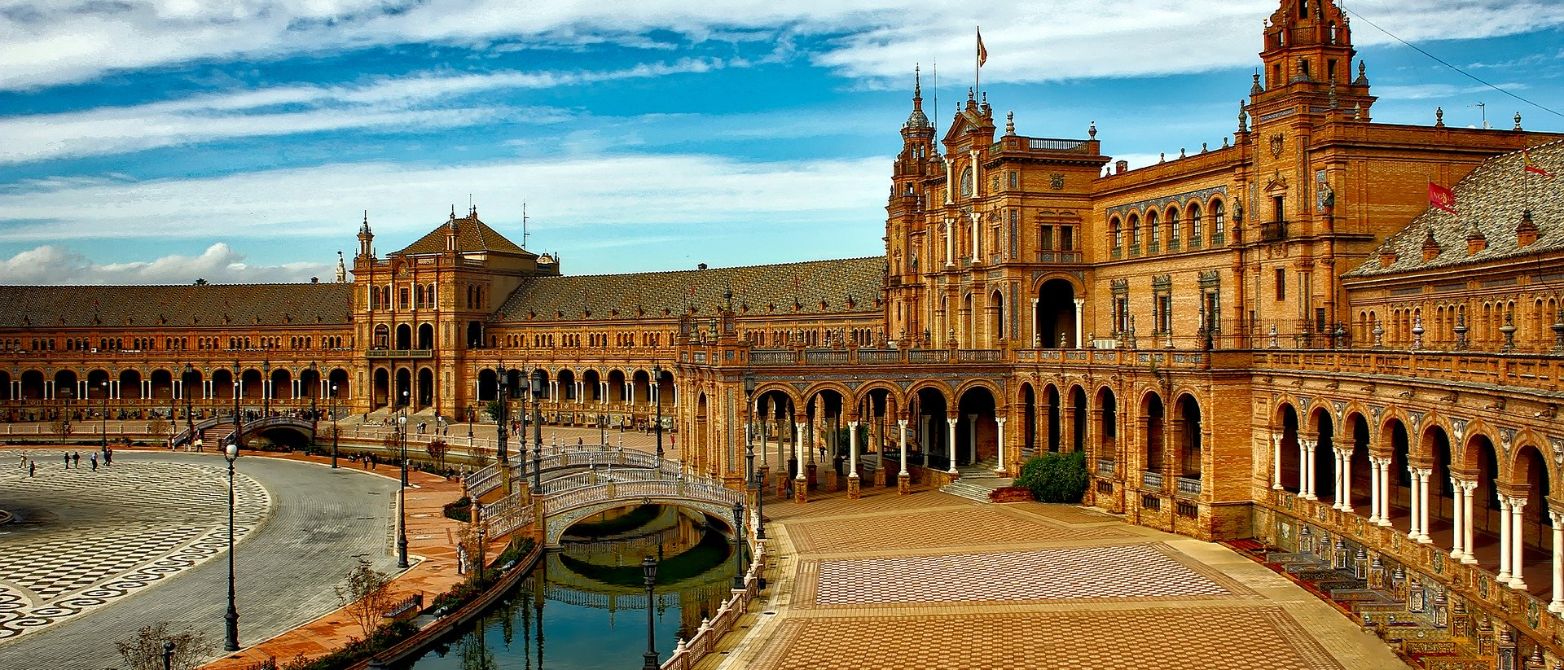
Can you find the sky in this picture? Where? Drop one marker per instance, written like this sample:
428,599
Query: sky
158,141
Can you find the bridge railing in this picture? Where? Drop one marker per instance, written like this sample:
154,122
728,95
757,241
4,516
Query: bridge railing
483,480
686,654
506,515
696,490
184,434
596,455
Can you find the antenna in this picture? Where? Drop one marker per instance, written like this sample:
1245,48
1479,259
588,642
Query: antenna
1483,107
523,224
934,86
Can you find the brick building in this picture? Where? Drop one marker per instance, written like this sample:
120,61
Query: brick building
1272,339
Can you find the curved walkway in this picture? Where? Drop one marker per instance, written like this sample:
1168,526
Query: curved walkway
287,567
936,581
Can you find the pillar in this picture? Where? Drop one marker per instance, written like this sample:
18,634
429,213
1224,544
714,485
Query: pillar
1037,339
950,421
950,241
800,484
1517,562
977,228
1336,479
1504,539
1384,491
1306,469
1459,527
971,437
1276,462
1080,306
1422,506
1557,605
1374,499
1004,466
903,478
852,459
1414,531
1466,505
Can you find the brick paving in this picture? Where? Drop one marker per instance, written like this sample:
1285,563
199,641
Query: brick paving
933,581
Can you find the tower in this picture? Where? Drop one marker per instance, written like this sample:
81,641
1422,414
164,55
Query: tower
1308,58
917,162
366,239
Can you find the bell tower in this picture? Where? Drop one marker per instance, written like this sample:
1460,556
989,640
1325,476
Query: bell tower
1307,63
366,239
904,230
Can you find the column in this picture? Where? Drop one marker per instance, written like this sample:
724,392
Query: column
1003,470
1335,482
1504,539
628,390
1413,529
1080,323
950,421
1557,605
1517,562
950,240
1346,481
1276,462
762,441
1384,491
1459,527
977,233
1422,505
852,459
1306,469
1374,500
1466,505
901,443
1037,339
798,446
48,389
972,436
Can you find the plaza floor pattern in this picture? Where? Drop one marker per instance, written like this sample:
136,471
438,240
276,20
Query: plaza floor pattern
933,581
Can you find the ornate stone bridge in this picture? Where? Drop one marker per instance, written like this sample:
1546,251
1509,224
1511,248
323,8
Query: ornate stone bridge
557,459
217,428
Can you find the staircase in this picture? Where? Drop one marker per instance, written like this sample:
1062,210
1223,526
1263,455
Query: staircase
977,481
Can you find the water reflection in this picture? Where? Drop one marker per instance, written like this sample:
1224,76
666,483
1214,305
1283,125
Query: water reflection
588,599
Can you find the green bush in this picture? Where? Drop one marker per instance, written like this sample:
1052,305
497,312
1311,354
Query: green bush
1055,478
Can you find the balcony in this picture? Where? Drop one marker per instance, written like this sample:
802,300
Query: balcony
1273,231
1189,486
1060,257
1151,480
1104,467
399,353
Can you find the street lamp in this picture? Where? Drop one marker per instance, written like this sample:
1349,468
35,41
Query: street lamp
184,388
657,376
401,499
749,457
649,570
500,419
333,404
314,419
738,546
104,444
537,430
231,641
266,380
238,388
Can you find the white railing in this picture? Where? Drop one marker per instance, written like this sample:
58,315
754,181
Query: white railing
687,489
506,515
484,480
688,653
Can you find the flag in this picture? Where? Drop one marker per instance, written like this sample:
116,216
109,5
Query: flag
1441,197
1533,167
982,52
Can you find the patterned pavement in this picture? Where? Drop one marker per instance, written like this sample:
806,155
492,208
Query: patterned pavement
931,581
85,538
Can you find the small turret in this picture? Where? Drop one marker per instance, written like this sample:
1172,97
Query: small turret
342,269
366,239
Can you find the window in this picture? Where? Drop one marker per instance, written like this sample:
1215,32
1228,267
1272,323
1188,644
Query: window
1173,232
1218,222
1281,283
1134,230
1046,240
1067,238
1014,179
1194,225
401,297
1151,230
1116,231
1279,208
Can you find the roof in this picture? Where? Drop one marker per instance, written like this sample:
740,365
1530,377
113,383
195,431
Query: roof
472,235
758,287
182,306
1490,200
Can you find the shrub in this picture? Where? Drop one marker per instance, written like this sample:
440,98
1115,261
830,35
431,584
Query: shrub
459,509
1056,478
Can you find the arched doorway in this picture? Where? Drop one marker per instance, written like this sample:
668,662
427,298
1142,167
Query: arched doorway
1530,472
64,385
222,384
1152,433
929,416
977,433
250,385
488,385
309,383
162,385
381,395
404,336
1051,402
1029,421
282,384
338,379
1189,453
426,336
1485,501
1078,412
130,385
1055,318
1291,468
1324,464
425,388
32,384
1107,425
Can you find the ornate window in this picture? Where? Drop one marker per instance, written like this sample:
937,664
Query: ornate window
966,183
1194,226
1218,223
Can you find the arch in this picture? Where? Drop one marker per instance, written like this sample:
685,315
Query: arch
403,392
1484,468
1434,446
1394,435
382,337
97,385
977,432
1355,437
426,391
1107,423
1218,214
1195,228
426,336
1028,401
380,395
338,384
592,387
1078,418
1153,236
1152,432
1175,232
1291,467
1529,478
1054,323
130,384
892,393
1115,233
560,521
996,320
64,385
1188,434
32,385
250,384
640,387
1323,425
282,384
1052,414
309,383
161,382
404,336
488,385
1134,225
223,385
928,408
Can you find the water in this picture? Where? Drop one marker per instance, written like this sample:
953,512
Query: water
584,608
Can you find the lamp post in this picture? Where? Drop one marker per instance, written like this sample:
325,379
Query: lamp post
602,429
184,389
266,382
238,388
500,419
649,571
401,498
537,412
168,655
231,639
104,442
738,545
333,403
749,456
657,376
314,418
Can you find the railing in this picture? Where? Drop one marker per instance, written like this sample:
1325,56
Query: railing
601,456
184,434
507,514
1051,144
879,356
928,356
399,353
825,357
1060,257
1188,486
483,480
1151,480
688,653
1273,231
1104,466
697,490
1525,370
772,357
978,355
591,478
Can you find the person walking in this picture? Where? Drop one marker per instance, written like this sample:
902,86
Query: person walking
93,459
108,457
31,469
67,460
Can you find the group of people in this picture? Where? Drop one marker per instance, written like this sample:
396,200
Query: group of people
71,459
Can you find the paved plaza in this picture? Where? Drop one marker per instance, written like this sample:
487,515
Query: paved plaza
936,581
96,555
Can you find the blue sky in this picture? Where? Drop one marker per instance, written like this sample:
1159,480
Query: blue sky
156,141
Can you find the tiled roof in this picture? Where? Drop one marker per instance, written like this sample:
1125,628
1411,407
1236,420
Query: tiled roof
1489,200
648,293
472,235
235,305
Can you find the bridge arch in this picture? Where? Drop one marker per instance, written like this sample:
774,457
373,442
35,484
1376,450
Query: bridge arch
557,523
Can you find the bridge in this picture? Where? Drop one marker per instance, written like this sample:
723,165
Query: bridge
565,500
218,428
557,459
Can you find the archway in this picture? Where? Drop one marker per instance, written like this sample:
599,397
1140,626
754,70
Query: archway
700,445
567,385
162,385
97,385
250,385
32,384
130,385
1029,420
1187,409
404,336
774,414
825,435
222,384
1078,412
5,385
381,395
1051,402
1441,497
1152,432
1324,456
667,391
425,388
426,336
488,385
404,387
977,433
1485,502
309,383
282,384
338,379
1530,473
1055,318
64,385
592,387
382,337
1107,425
616,387
1399,503
996,320
1291,461
1361,480
640,388
929,415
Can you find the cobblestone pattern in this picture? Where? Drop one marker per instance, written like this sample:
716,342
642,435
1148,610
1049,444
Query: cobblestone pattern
932,529
1132,571
87,538
1131,639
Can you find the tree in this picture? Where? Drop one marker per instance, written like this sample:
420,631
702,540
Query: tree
492,410
158,428
61,425
200,281
367,596
437,450
145,650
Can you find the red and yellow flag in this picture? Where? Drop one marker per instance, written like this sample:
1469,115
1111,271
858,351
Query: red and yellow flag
1533,167
1441,197
982,53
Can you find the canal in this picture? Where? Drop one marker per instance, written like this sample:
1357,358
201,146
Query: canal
584,607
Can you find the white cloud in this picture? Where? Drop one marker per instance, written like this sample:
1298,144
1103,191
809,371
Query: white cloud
53,41
424,101
220,263
308,204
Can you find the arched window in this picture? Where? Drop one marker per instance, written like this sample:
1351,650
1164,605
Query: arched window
1218,222
1116,232
1152,232
1135,231
1194,225
1174,234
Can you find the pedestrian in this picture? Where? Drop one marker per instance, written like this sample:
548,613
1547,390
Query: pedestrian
108,457
93,459
76,459
67,460
24,460
31,468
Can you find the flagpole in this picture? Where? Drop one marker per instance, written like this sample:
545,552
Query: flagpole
977,63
